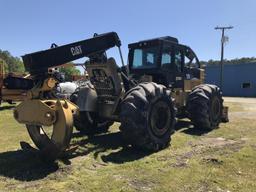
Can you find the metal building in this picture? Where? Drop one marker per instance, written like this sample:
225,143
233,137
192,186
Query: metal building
238,79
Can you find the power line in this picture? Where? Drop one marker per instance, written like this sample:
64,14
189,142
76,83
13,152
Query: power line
223,39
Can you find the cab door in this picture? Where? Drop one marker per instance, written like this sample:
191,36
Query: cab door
178,60
193,74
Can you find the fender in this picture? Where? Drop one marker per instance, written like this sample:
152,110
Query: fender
87,99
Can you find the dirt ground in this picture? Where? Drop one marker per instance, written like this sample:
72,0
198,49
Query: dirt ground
240,100
247,105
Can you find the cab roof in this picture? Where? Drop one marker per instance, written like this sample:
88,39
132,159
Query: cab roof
167,39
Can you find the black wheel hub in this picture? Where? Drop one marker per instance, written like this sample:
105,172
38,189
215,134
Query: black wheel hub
160,118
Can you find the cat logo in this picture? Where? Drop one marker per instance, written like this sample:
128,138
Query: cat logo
77,50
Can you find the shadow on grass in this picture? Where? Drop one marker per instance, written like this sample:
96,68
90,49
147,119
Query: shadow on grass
105,143
24,166
188,128
29,166
8,107
109,147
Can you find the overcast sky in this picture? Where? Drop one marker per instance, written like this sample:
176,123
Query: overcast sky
29,25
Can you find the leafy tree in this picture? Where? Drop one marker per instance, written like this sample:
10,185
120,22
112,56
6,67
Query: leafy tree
2,62
69,71
12,64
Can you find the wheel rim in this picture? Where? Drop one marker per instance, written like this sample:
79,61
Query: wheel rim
160,118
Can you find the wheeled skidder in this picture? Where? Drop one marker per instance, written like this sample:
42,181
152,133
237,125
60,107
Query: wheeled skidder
162,82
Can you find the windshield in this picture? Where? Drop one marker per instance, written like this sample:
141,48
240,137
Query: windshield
145,58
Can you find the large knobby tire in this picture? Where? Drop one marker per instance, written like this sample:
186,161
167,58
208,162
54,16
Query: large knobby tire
148,117
89,123
204,106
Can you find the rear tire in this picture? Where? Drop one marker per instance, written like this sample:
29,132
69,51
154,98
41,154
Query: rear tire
148,117
89,123
205,105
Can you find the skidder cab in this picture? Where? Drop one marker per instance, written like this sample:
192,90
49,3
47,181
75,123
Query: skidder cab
164,61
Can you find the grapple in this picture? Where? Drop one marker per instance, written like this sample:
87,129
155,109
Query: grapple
49,124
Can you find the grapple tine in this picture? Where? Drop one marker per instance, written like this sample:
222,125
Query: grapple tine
55,113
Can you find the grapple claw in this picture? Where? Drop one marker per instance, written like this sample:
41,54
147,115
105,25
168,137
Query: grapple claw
51,126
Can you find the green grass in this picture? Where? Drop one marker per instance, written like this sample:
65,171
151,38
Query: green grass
221,160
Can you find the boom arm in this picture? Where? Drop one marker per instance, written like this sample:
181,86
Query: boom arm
39,62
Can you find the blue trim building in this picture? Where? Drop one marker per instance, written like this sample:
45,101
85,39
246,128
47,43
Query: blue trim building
238,79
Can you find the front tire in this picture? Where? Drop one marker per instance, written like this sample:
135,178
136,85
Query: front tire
148,117
204,106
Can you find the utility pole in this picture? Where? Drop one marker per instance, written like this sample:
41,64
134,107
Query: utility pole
223,39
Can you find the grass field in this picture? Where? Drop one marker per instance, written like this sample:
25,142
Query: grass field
221,160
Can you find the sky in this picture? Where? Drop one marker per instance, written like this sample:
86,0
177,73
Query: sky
28,26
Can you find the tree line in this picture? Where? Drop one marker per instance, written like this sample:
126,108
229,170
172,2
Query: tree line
11,63
15,64
231,61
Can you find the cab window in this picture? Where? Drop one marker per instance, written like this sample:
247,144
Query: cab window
178,60
166,59
145,57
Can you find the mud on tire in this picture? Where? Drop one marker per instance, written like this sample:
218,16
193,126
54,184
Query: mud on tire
204,106
148,117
